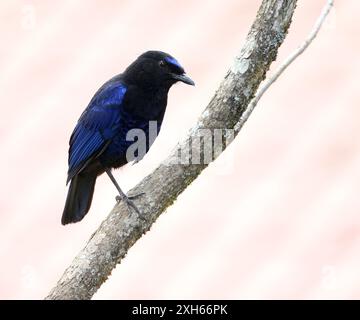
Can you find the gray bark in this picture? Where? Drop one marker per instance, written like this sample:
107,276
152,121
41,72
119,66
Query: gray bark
121,229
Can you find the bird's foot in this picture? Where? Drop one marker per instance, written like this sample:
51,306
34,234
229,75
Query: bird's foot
135,196
130,203
118,198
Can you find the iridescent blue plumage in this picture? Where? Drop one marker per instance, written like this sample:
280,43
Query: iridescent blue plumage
173,61
97,125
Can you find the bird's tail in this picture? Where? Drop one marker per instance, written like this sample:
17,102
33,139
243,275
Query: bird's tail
79,198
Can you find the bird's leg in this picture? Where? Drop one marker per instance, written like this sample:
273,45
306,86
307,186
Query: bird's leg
122,196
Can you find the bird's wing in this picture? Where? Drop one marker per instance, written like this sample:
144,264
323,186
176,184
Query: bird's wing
96,127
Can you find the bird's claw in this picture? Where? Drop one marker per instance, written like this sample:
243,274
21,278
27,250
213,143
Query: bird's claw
118,198
135,196
130,203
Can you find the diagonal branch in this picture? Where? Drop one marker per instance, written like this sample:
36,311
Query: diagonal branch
290,59
120,230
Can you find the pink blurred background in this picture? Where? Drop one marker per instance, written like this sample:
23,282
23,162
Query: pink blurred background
276,216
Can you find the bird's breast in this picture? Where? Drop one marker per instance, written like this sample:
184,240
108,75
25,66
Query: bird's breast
130,129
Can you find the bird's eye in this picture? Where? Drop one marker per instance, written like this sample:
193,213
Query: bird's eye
162,63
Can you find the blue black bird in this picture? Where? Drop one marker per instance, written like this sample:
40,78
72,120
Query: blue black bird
99,141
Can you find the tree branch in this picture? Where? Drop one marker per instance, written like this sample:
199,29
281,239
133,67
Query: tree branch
121,229
290,59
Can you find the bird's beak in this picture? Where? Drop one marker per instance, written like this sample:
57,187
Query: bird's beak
183,78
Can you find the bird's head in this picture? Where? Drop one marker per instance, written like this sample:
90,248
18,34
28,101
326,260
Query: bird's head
156,69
